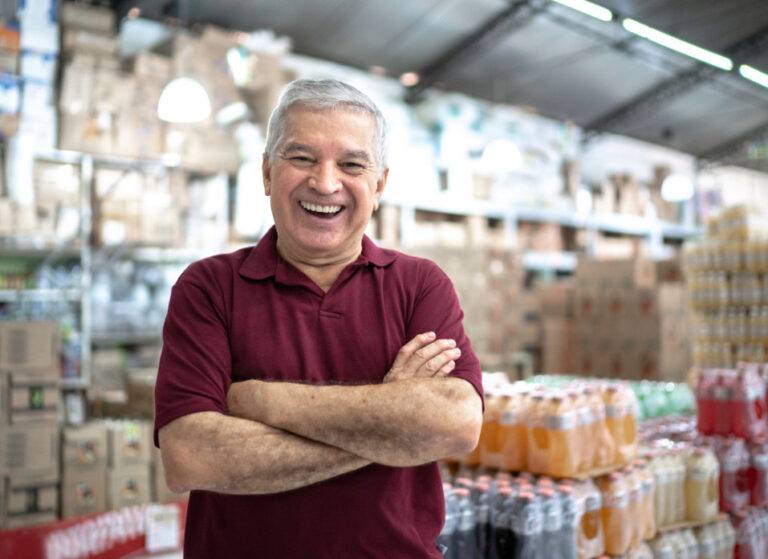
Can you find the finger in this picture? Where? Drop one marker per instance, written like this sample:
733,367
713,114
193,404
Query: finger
422,355
411,347
446,369
436,363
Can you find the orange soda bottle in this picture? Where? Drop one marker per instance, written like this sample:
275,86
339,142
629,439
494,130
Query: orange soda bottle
621,418
536,434
490,457
561,437
590,538
604,449
512,439
617,524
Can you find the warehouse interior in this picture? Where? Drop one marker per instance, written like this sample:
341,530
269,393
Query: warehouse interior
591,176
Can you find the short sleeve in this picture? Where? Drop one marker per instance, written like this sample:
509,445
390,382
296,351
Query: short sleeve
437,309
195,365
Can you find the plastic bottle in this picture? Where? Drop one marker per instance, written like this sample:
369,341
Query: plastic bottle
583,416
552,523
445,539
554,440
748,405
734,466
513,443
758,474
648,491
723,395
483,504
705,403
677,486
464,540
568,542
591,536
621,414
502,538
527,526
604,449
634,506
490,455
707,543
614,514
701,485
536,434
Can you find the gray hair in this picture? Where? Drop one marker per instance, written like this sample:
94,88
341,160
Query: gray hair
325,95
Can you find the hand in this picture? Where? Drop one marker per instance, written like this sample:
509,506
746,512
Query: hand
424,357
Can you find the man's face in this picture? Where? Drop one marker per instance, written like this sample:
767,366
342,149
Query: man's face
323,183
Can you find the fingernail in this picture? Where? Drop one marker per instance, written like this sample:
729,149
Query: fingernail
430,335
457,352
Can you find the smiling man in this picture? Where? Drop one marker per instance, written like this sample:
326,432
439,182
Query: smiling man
308,384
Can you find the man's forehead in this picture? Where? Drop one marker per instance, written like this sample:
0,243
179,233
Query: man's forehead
296,117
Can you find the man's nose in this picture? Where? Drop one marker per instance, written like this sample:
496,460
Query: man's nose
325,179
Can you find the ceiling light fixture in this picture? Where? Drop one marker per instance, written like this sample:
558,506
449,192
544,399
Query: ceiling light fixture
753,74
409,79
589,8
678,45
677,188
184,101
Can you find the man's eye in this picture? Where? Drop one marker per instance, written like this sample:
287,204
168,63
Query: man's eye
301,159
353,165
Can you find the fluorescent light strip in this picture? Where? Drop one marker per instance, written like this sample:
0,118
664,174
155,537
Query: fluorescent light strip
678,45
753,74
594,10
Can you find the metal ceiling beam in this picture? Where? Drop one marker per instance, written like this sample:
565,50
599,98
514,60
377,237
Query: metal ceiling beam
677,85
518,14
732,149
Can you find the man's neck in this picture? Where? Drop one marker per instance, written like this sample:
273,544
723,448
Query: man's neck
322,271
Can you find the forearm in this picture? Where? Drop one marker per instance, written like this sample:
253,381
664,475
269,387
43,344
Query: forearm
400,423
214,452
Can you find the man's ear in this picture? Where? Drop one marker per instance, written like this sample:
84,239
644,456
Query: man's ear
265,171
381,183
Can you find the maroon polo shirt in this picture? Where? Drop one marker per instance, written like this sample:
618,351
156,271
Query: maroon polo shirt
250,314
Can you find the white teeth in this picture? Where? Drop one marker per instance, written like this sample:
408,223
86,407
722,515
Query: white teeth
320,209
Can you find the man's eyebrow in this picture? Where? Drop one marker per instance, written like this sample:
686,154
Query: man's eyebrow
295,146
358,154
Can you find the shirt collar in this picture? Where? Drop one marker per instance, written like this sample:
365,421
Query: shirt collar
262,261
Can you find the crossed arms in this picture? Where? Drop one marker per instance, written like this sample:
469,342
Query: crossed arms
281,436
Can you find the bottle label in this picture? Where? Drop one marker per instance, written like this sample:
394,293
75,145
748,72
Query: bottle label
760,461
614,412
699,474
706,548
560,422
592,503
618,500
509,417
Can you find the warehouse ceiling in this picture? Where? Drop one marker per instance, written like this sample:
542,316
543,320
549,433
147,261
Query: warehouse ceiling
539,54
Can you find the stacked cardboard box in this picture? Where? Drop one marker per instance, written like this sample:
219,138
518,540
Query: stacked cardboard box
29,423
557,302
489,285
129,457
84,456
93,89
628,323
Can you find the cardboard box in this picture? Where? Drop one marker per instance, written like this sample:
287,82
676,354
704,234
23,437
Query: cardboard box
85,446
84,41
623,273
31,450
29,345
30,501
128,486
557,299
558,348
83,16
83,491
129,443
33,396
152,65
88,132
141,392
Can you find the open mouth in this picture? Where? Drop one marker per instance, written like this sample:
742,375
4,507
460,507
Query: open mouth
321,210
